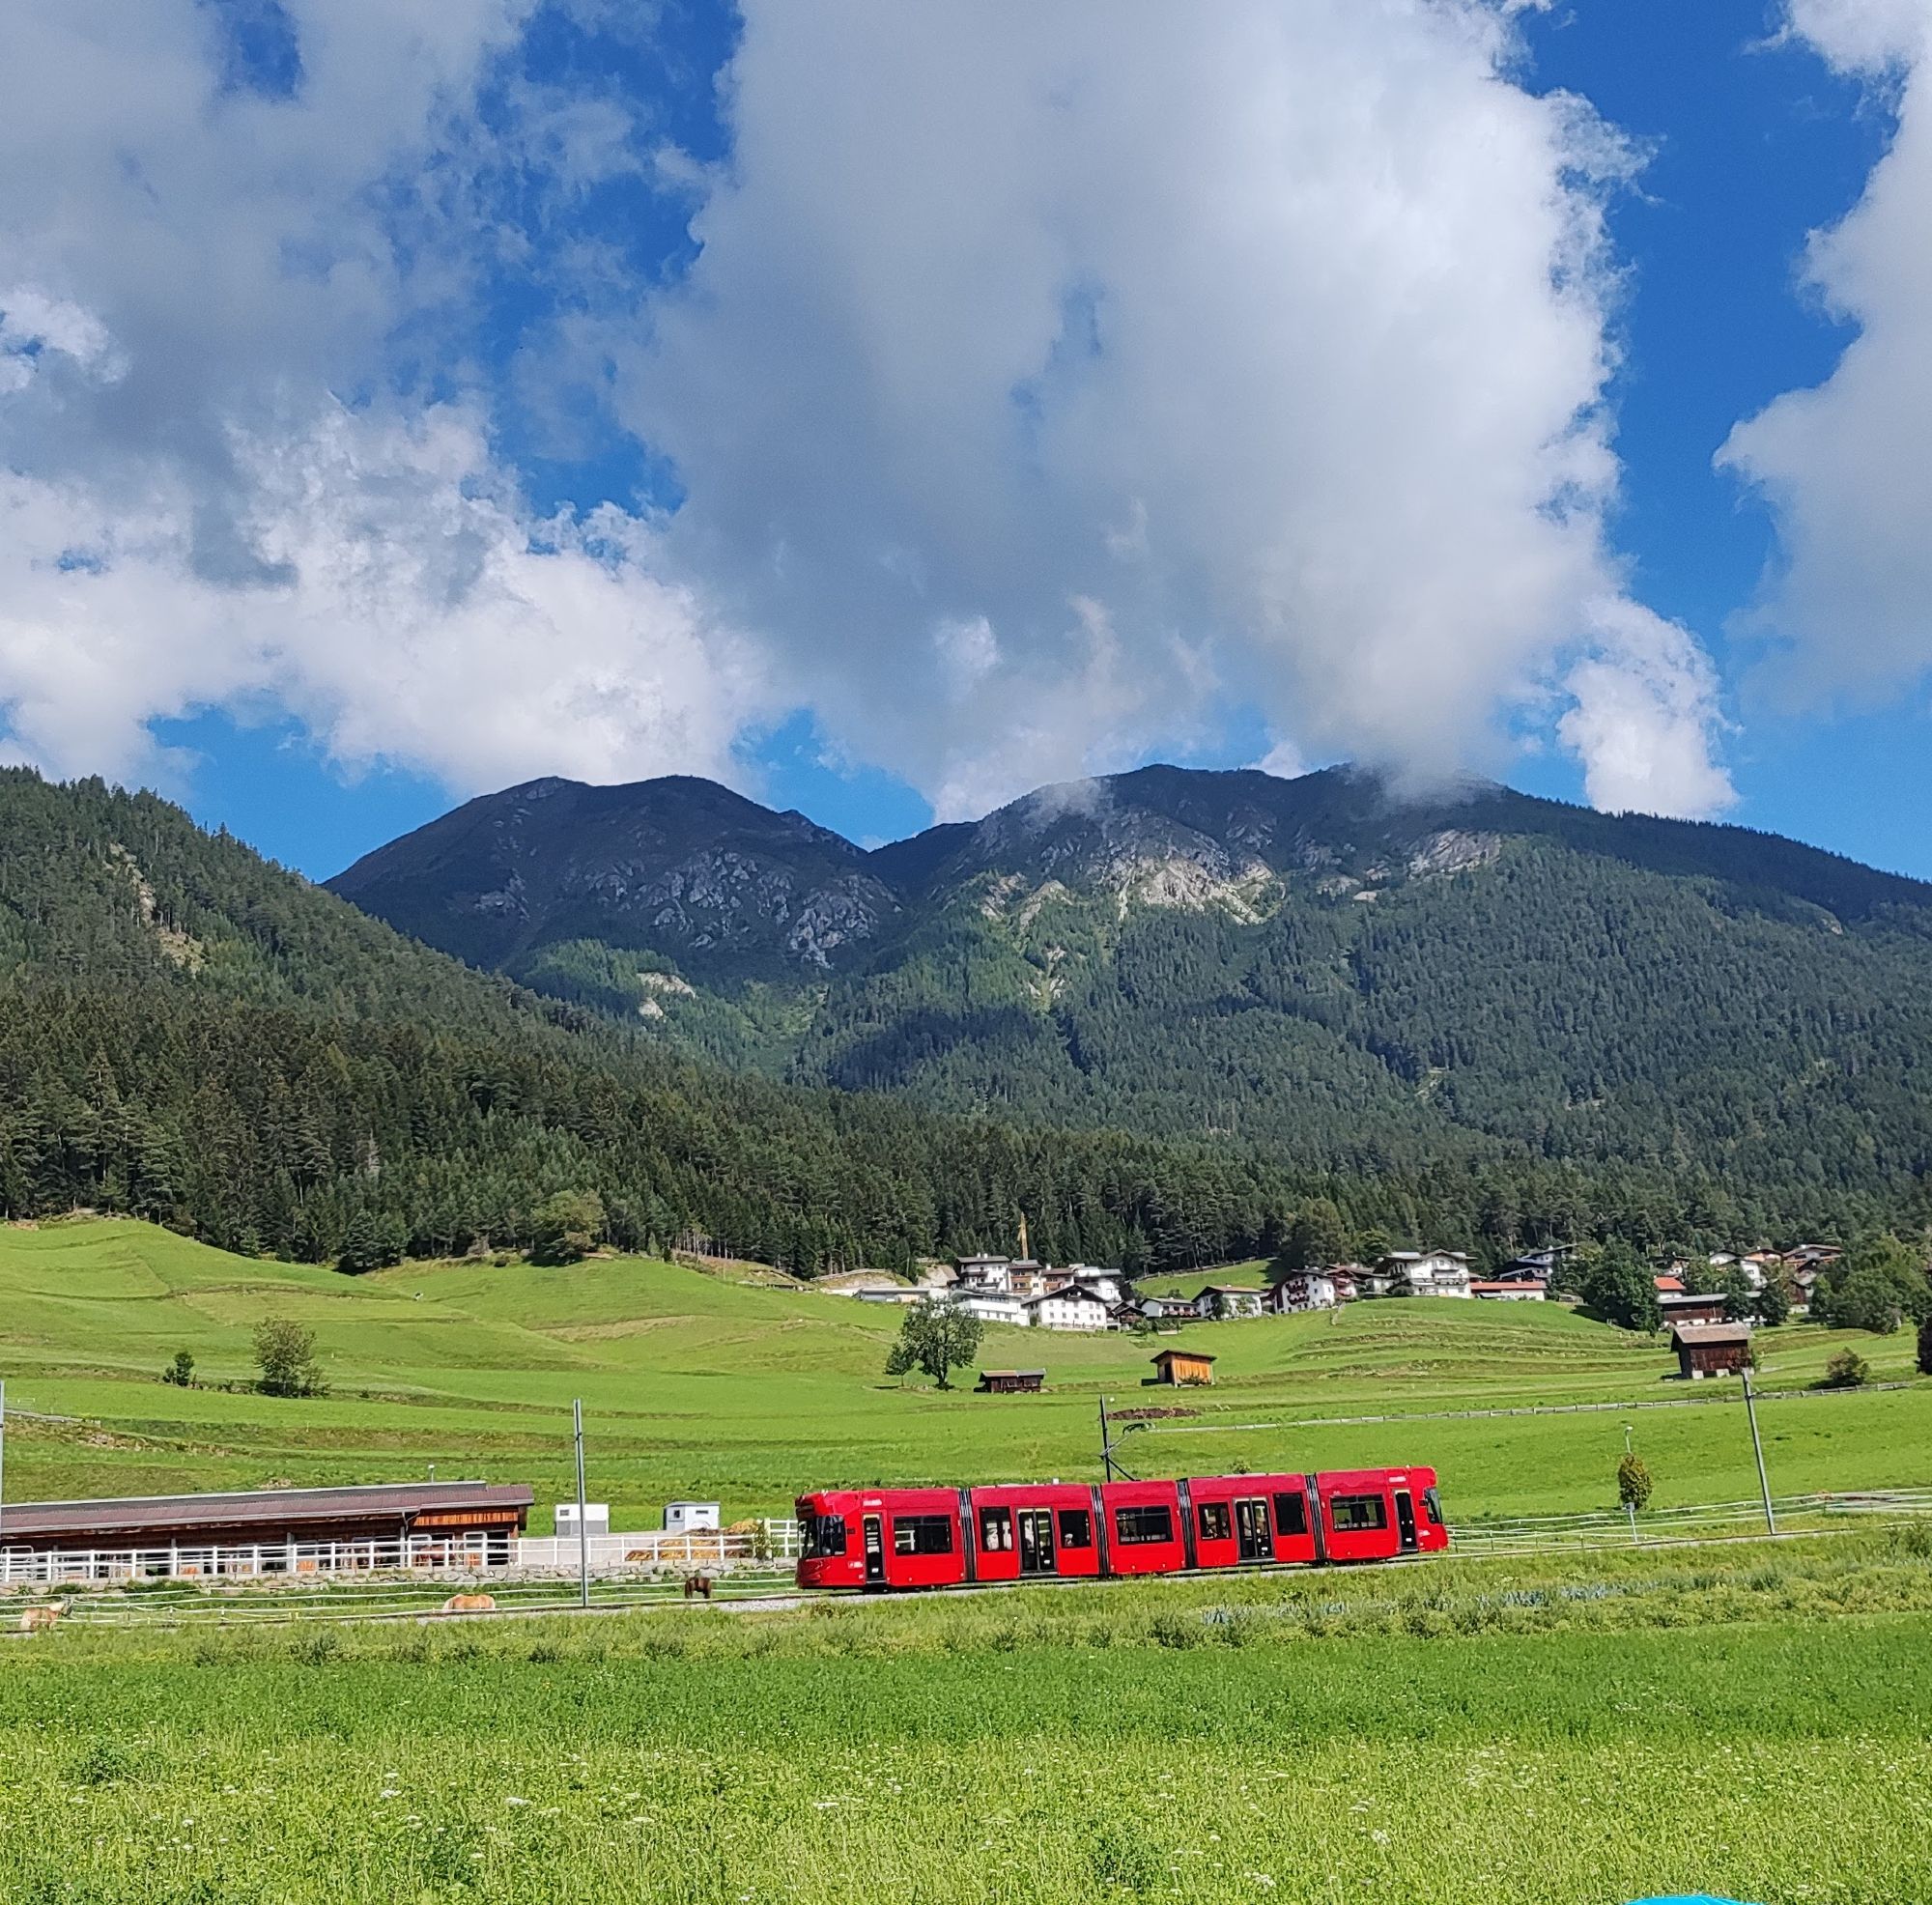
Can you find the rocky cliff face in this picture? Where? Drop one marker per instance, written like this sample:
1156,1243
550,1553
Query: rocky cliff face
678,867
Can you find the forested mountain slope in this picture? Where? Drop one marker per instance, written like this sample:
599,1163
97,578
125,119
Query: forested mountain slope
190,1034
1313,968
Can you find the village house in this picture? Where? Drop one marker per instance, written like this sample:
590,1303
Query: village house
1108,1285
1498,1290
1710,1349
1346,1278
891,1292
983,1272
1425,1272
1167,1309
990,1305
1668,1285
1072,1307
1300,1290
1223,1302
1184,1367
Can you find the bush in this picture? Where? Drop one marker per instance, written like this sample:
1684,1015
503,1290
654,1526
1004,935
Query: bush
1847,1370
286,1354
1925,1346
180,1372
1634,1482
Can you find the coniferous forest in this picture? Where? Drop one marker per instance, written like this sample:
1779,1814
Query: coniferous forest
189,1033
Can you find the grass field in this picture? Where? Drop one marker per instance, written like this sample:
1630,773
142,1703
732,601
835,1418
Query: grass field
1456,1734
697,1385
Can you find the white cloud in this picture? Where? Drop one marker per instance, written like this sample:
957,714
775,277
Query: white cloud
1644,709
1845,467
1279,328
192,280
1051,379
422,617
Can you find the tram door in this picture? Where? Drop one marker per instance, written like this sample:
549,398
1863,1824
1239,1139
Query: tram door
1404,1520
875,1550
1036,1541
1251,1529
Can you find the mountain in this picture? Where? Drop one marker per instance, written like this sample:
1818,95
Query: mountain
190,1034
1314,968
681,866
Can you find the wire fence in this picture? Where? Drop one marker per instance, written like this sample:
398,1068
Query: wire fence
1709,1522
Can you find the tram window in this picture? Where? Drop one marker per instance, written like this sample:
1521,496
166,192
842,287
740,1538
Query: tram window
1136,1527
824,1537
996,1529
1076,1528
1213,1520
1355,1514
922,1534
1433,1501
1290,1515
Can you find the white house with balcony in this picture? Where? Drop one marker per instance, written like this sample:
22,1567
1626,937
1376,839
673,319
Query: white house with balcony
1301,1289
990,1305
1427,1273
1073,1306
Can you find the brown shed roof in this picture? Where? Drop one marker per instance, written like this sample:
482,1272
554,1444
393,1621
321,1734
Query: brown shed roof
267,1508
1693,1334
1185,1355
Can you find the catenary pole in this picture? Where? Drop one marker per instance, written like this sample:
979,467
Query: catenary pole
1757,1449
583,1523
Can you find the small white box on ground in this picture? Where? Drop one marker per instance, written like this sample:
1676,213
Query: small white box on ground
685,1518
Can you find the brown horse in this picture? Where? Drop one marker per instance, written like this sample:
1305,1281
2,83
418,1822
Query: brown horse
470,1604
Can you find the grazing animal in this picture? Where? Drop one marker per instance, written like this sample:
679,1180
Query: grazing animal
697,1584
37,1620
470,1604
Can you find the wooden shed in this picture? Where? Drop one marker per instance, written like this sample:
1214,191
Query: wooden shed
1691,1306
1710,1349
1010,1382
1183,1366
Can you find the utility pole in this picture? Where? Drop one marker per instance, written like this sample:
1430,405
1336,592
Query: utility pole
582,1520
1108,1461
1757,1449
1630,1507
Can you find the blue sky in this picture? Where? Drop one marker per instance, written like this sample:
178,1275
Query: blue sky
892,410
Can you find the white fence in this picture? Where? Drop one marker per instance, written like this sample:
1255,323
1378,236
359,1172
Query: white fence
773,1544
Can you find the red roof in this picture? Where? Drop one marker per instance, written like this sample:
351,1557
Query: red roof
1671,1286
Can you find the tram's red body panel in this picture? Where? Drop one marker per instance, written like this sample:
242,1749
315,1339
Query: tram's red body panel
888,1538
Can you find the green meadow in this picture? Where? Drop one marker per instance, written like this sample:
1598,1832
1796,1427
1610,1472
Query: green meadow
1465,1733
697,1383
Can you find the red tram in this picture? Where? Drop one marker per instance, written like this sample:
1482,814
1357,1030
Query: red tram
885,1538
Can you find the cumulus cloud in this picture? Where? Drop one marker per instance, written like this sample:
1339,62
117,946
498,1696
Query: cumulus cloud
1845,467
222,294
1645,708
416,614
1050,381
1272,340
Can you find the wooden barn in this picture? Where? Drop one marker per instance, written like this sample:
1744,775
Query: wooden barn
1687,1306
1009,1383
1710,1349
1182,1367
264,1530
